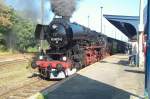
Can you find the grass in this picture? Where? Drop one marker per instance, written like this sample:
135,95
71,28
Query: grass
8,52
32,49
11,52
5,53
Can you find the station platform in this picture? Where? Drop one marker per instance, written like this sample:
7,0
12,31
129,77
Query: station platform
111,78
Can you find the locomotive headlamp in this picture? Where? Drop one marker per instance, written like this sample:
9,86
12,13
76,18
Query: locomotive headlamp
64,58
41,57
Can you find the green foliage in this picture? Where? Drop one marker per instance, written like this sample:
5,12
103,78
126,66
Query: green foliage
32,49
16,33
5,25
2,43
24,31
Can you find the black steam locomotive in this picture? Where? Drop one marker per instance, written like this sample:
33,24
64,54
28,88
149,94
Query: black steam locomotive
71,47
61,33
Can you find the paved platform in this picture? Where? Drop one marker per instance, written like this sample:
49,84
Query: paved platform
111,78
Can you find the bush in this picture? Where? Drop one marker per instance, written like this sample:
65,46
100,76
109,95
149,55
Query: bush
32,49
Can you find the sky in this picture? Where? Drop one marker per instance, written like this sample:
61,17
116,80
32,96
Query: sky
117,7
90,8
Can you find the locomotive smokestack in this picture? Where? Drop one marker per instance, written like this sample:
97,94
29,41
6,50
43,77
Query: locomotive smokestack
63,8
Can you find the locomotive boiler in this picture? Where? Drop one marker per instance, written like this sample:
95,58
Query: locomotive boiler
61,33
71,47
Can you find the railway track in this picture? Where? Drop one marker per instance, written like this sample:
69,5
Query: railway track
15,82
25,91
15,58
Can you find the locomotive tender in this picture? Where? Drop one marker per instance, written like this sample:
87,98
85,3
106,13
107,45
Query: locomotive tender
71,47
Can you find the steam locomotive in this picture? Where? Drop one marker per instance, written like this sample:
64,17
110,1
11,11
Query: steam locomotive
71,47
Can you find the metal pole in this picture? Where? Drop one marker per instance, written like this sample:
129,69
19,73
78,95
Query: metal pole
101,19
88,21
141,14
104,29
140,32
137,58
42,31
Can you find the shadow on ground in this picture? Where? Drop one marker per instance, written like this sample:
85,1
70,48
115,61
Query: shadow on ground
135,71
121,62
81,87
132,69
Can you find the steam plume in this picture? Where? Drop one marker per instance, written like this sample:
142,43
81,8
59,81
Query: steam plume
30,9
63,7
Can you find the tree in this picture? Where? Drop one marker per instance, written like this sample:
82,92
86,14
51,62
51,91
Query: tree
16,33
5,24
24,31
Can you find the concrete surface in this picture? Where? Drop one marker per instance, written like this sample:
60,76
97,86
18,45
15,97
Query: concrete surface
111,78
